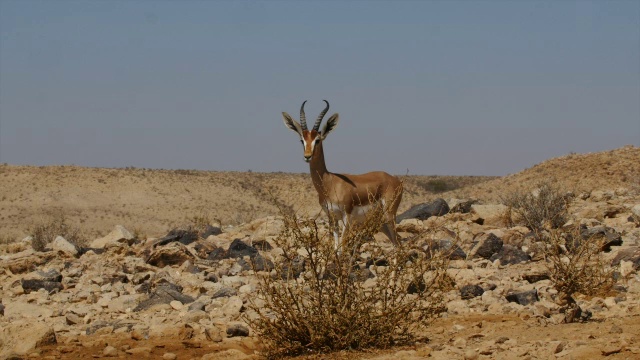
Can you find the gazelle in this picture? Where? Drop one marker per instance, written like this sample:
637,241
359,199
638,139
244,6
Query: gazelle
345,198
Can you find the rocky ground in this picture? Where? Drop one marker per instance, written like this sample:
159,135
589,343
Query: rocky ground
134,292
184,295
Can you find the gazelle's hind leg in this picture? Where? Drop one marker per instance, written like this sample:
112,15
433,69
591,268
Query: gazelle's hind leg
391,202
389,229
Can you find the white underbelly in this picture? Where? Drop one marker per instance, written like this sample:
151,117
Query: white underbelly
358,214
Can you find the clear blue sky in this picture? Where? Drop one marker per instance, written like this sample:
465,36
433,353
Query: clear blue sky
436,87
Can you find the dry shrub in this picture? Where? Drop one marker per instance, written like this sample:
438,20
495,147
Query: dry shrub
575,264
546,208
199,223
44,233
319,300
434,185
6,239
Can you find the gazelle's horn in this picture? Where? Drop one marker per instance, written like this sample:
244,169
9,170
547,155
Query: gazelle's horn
316,126
303,118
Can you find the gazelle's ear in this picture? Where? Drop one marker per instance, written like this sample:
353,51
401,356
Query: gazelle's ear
330,125
292,124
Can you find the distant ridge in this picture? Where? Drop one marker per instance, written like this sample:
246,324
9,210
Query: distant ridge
606,170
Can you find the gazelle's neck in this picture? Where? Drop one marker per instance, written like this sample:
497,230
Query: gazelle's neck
318,167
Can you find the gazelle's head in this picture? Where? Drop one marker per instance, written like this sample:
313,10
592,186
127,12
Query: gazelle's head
311,138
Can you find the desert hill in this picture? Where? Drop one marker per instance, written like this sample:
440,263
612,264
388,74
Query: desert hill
150,201
579,173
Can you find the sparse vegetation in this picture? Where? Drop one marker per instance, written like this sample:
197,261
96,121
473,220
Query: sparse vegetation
547,207
330,300
44,233
573,260
435,185
4,239
200,222
575,264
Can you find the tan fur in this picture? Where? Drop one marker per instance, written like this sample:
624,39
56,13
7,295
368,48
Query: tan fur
341,194
349,191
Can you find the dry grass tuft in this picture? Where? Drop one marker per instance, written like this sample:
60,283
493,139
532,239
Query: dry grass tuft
44,233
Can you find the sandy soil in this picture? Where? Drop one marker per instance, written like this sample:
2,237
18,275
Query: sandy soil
151,202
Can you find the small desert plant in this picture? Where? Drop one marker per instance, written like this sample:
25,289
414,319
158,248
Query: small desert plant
575,265
546,208
434,185
199,222
574,262
318,300
5,239
46,232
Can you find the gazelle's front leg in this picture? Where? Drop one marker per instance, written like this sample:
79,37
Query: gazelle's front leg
334,225
346,226
336,235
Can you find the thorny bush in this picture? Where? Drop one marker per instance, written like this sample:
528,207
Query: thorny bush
574,262
319,300
548,207
575,265
44,233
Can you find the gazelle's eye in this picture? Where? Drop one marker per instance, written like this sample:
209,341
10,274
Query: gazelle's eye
316,140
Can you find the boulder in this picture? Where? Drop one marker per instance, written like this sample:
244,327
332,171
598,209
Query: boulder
630,254
239,249
224,291
184,237
217,254
485,246
173,254
234,330
49,275
210,230
510,255
233,307
23,309
61,244
535,277
30,285
26,261
471,291
256,263
461,206
118,236
601,195
492,215
203,248
164,293
22,338
608,235
452,251
424,211
523,297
